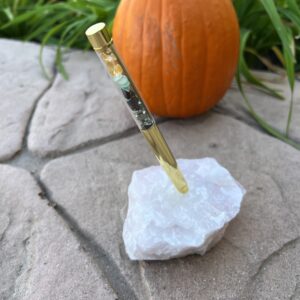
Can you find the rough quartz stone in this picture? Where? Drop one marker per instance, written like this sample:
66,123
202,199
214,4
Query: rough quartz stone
162,223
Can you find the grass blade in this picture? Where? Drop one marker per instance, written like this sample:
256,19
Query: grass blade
263,124
245,34
288,50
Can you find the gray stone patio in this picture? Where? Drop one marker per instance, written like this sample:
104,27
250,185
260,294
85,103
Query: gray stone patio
67,152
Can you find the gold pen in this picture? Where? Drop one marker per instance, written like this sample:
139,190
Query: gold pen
102,43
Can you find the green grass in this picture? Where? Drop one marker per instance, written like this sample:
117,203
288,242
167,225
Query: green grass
270,37
270,32
61,23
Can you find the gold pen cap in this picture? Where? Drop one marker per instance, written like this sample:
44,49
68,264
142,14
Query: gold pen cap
98,36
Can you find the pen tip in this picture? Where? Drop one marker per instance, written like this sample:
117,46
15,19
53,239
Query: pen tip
184,189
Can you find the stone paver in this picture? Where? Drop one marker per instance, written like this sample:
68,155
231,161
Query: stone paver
75,249
39,257
83,109
91,186
22,82
271,109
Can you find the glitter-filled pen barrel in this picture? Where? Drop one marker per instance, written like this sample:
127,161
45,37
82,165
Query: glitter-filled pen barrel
102,43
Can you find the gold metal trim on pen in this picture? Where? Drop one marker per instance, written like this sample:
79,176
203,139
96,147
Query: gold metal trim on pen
102,43
165,157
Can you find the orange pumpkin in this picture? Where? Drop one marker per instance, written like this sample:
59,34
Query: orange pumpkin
181,54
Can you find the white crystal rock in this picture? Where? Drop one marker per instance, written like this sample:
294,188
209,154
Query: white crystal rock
162,223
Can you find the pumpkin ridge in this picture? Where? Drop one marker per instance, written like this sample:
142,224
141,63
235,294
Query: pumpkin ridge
162,58
202,99
140,60
125,31
229,9
224,38
142,50
195,57
181,103
228,34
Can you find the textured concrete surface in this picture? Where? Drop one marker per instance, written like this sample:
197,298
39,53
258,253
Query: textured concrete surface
22,84
93,191
40,257
61,219
81,110
274,111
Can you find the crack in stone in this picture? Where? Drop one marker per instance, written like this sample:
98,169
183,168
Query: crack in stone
67,124
27,127
236,247
98,142
37,100
275,253
23,267
3,233
34,163
251,285
28,161
142,265
101,258
23,264
93,143
291,211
